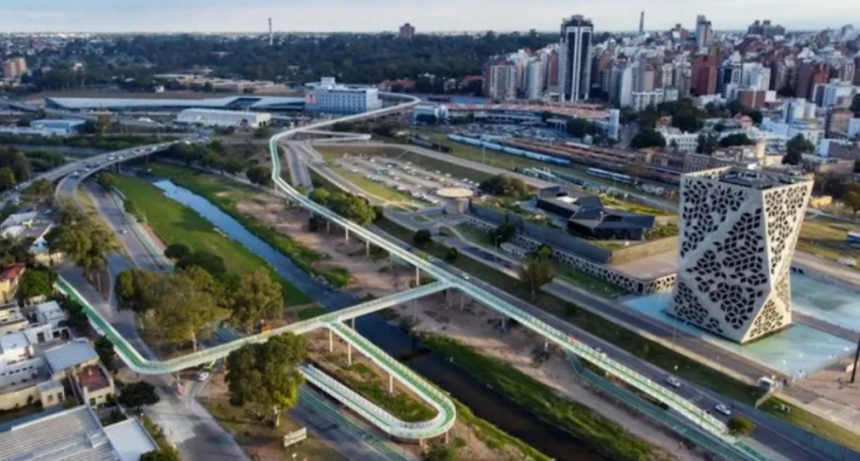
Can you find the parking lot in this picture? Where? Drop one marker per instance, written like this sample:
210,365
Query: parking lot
403,176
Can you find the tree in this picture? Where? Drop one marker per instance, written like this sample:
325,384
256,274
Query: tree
451,255
316,223
503,233
159,455
39,190
688,121
104,349
85,241
352,207
266,374
320,196
707,143
740,426
427,119
102,124
137,290
505,186
441,452
855,104
755,115
262,132
132,210
255,298
261,175
737,139
7,179
213,160
37,281
536,272
422,238
198,301
136,395
15,160
735,107
209,262
108,181
235,165
647,137
795,148
579,127
177,251
856,166
851,199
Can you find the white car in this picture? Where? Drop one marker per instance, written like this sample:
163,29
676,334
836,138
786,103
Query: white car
723,409
673,381
203,376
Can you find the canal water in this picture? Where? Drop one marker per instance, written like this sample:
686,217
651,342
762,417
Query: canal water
485,403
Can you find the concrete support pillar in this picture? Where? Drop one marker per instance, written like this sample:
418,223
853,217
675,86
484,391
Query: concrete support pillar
545,345
414,311
347,234
446,437
353,323
328,227
447,298
349,354
390,384
462,301
417,277
330,341
367,248
504,322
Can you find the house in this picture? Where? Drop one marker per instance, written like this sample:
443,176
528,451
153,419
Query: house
10,278
586,215
77,362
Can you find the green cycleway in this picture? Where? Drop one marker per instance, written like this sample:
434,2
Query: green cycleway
690,411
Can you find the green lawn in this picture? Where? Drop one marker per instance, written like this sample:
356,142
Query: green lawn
825,237
225,195
177,223
602,435
366,382
376,189
812,423
645,349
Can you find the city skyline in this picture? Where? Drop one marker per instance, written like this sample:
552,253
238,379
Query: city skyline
444,15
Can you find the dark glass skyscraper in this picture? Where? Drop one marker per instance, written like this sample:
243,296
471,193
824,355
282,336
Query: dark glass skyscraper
574,64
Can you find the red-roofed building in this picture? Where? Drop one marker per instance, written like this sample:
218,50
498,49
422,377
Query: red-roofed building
9,280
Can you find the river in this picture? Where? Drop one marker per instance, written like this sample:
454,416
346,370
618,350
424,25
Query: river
491,406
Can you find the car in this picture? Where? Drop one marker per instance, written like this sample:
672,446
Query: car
673,381
599,351
723,409
203,376
124,231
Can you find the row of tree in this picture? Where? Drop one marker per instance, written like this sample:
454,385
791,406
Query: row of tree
353,207
84,239
505,186
212,156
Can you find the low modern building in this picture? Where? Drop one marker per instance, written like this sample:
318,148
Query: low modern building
75,435
9,280
685,142
245,102
224,118
77,362
57,127
330,97
440,111
587,216
738,230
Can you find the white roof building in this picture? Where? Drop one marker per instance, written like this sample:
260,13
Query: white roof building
328,96
224,118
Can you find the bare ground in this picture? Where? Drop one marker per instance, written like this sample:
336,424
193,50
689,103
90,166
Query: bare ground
474,326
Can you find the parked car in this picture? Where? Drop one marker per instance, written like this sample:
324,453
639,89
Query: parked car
203,376
723,409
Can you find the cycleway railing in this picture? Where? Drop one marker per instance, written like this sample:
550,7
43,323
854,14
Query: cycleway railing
699,416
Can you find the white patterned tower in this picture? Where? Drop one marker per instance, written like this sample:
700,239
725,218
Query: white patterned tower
738,233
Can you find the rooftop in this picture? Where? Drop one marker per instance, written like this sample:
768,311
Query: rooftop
71,435
75,352
751,179
15,340
129,439
12,273
93,378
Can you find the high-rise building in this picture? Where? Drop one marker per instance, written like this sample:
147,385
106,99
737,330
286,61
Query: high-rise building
407,31
666,77
500,80
837,123
534,80
642,23
552,70
765,29
683,78
574,63
14,68
704,33
809,74
704,75
738,232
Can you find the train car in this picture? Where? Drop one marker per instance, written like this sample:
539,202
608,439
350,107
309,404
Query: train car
623,178
853,239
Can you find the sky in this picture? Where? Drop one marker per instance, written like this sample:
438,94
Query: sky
425,15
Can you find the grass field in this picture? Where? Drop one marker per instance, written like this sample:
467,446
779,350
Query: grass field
376,189
812,423
262,441
604,436
635,344
225,195
825,237
176,223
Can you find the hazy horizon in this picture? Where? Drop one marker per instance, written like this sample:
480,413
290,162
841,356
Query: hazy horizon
213,16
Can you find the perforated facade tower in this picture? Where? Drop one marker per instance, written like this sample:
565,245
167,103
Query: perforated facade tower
738,233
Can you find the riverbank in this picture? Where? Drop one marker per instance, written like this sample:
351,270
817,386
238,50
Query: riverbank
173,222
227,196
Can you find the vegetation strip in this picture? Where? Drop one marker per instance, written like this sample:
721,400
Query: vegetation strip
222,196
602,435
177,223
